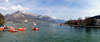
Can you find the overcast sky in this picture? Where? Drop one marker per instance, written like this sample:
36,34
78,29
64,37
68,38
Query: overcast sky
60,9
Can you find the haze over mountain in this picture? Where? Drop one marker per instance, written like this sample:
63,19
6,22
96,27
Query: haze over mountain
60,21
21,17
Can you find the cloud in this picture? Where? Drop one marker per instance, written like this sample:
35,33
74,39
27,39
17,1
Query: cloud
19,7
94,9
54,17
3,8
64,9
4,1
49,10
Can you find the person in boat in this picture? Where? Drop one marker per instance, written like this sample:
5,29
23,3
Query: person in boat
34,27
6,27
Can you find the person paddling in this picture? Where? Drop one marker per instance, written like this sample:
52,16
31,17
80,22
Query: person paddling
34,27
6,26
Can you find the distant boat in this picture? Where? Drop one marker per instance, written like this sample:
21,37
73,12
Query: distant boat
34,23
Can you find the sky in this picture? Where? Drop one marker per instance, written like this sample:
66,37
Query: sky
57,9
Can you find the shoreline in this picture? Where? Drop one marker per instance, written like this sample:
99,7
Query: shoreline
80,26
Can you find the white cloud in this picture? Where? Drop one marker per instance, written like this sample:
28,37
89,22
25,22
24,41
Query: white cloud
19,7
95,8
54,17
4,1
49,10
79,9
3,8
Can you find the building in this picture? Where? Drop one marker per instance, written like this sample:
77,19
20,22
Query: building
94,21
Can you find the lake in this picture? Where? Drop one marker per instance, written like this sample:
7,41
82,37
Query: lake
50,33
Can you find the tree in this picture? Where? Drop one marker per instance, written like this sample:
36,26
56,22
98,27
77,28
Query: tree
1,19
88,21
79,18
80,21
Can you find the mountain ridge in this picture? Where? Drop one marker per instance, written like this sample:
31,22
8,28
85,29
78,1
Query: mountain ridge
20,16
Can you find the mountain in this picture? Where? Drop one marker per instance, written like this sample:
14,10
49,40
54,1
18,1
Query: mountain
21,17
60,21
97,16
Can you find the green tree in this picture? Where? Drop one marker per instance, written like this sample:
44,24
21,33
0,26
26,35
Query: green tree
88,21
80,21
1,19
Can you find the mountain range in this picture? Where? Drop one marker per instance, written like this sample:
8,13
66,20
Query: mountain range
22,17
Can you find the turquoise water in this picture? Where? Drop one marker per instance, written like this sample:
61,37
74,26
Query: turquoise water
51,33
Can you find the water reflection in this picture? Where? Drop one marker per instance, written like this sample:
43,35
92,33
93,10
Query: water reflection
88,29
35,30
51,33
22,32
1,34
79,29
88,33
13,33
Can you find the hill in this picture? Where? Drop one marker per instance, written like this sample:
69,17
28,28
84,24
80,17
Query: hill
21,17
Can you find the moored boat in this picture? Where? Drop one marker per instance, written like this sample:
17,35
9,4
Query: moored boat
1,28
13,30
34,28
22,29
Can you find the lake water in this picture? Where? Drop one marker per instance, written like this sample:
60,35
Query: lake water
51,33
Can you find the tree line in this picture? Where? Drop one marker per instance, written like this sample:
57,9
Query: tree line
88,21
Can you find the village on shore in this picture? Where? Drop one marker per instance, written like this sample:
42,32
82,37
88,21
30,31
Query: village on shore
91,22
